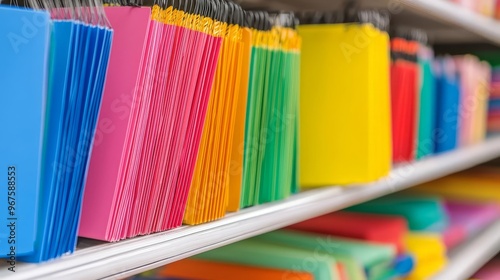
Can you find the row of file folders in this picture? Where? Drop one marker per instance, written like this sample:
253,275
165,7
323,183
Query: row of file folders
164,116
403,236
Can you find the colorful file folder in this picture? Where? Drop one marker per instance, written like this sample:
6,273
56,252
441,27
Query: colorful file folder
271,130
209,190
447,105
423,213
237,152
405,98
153,122
375,259
383,229
63,107
429,253
475,78
25,49
104,184
472,216
479,184
427,113
344,85
208,270
254,253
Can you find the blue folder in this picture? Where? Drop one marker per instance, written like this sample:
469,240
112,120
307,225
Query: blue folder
447,106
24,50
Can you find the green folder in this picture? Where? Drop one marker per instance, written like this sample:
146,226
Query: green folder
271,129
427,115
254,253
423,213
375,259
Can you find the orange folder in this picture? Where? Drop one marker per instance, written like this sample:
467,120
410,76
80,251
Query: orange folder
207,270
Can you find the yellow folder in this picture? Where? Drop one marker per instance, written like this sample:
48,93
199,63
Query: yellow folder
429,253
480,184
345,124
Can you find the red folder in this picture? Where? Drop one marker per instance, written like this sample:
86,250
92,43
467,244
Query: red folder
369,227
404,97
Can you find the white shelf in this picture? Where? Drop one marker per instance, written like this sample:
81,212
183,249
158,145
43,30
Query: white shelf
444,21
463,19
471,256
129,257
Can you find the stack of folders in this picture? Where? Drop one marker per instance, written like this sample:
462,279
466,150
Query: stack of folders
199,117
423,240
458,186
270,145
493,58
345,122
403,236
56,61
475,80
427,100
408,57
438,104
494,106
462,87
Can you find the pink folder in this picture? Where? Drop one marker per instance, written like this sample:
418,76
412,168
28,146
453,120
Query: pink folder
103,185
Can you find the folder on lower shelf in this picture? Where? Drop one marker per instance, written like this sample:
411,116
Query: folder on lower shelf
429,253
454,235
251,252
478,184
383,229
423,213
374,259
209,270
472,216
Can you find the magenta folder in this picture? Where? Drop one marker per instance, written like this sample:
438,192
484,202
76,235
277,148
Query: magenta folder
472,216
159,86
103,184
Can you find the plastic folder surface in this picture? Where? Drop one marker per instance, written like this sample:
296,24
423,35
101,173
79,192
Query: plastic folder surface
480,184
423,213
254,253
427,113
130,26
343,86
369,227
24,49
373,258
472,216
208,270
352,266
429,253
447,105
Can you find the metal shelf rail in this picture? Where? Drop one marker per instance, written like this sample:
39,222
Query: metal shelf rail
469,257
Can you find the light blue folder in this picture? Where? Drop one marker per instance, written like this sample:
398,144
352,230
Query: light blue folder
24,49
